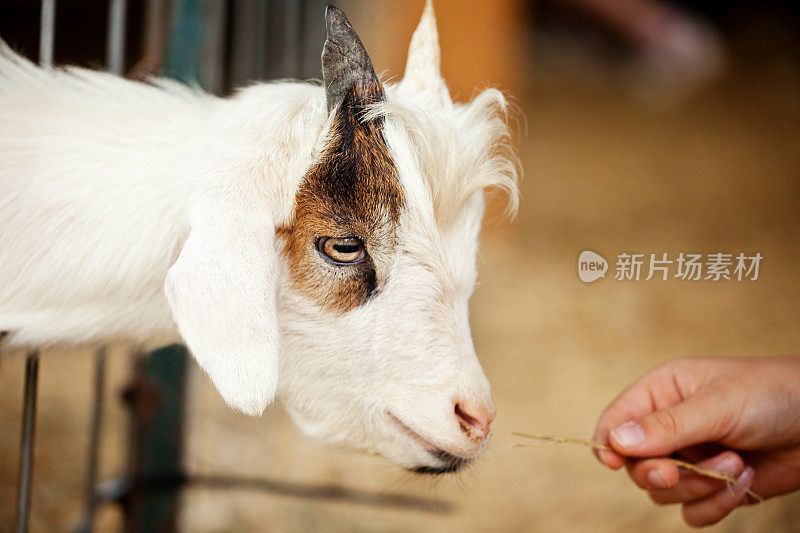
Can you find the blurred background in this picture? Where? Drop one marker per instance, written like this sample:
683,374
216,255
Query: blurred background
644,126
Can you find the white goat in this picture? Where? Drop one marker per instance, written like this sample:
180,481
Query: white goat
316,243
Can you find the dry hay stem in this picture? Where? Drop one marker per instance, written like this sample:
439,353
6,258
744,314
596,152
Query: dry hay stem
595,445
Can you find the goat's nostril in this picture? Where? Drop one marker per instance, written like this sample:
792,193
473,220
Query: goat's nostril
474,420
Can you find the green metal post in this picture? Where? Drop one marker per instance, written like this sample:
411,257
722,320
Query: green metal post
156,461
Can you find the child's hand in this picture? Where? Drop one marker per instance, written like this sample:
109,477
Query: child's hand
738,416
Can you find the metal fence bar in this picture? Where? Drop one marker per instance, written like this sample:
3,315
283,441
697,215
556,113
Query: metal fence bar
115,43
26,441
115,64
213,49
98,398
292,48
28,433
47,33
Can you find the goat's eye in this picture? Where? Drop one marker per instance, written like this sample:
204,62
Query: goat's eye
346,250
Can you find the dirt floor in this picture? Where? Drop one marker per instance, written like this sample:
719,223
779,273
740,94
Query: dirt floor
719,173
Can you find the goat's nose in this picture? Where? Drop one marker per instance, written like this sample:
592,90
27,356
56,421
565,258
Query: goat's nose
474,418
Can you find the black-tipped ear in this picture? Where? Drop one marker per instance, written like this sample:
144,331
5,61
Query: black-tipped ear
345,63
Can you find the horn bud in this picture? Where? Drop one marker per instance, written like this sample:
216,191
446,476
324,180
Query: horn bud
423,66
345,62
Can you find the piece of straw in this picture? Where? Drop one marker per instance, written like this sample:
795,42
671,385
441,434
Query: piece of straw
707,472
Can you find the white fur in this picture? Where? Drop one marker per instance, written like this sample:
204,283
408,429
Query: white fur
127,208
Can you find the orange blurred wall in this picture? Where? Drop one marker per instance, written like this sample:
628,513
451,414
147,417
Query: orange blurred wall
482,41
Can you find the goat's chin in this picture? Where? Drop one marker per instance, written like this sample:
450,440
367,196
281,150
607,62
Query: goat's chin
445,463
392,441
438,461
429,462
418,459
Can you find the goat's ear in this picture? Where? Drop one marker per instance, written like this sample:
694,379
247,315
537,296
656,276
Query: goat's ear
346,66
223,294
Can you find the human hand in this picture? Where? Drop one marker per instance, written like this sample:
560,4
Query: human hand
736,416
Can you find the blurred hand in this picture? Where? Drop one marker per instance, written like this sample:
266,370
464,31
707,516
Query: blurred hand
738,416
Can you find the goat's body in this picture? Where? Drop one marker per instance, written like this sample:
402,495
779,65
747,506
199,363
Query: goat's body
95,176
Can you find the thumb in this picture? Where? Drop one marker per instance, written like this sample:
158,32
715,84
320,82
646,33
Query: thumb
665,431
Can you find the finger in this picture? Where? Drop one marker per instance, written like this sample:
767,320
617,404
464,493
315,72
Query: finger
662,432
656,390
692,486
610,458
714,508
653,474
699,452
777,472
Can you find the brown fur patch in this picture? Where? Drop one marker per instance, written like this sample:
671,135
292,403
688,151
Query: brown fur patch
352,190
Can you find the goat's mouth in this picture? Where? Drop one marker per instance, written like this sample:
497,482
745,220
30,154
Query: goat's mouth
450,462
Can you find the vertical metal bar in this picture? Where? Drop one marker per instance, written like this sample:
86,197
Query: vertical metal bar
47,33
26,441
212,52
46,41
249,42
309,62
115,64
94,437
292,47
115,43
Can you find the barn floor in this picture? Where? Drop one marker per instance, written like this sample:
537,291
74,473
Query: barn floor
719,173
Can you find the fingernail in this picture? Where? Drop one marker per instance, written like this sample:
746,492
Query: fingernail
728,465
744,481
657,479
628,435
